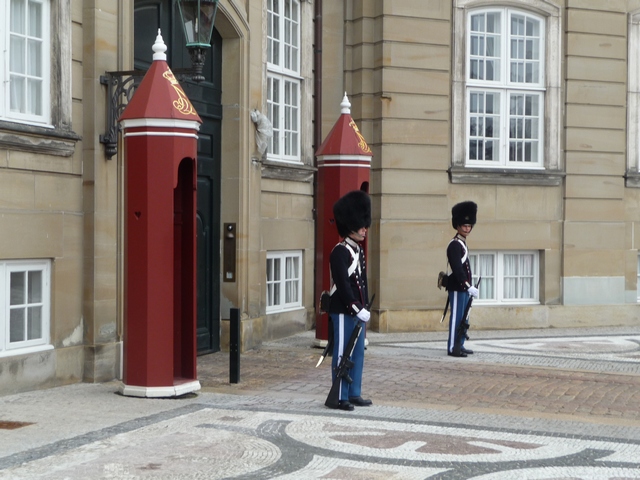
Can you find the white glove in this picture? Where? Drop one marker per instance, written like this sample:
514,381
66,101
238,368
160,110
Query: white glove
364,315
473,291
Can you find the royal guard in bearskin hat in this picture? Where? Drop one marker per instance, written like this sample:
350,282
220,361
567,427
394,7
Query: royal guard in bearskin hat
349,305
459,286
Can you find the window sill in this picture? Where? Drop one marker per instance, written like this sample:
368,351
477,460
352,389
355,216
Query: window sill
493,303
284,310
505,176
287,171
25,351
632,180
34,139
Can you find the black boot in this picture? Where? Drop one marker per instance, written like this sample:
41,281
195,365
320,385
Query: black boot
360,402
457,352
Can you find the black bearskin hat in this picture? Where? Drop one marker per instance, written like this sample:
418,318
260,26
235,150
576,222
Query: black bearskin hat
352,211
464,213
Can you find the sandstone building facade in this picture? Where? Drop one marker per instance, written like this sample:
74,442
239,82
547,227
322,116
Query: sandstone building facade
529,108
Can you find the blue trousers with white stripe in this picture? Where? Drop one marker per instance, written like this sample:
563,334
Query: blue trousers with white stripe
343,326
458,303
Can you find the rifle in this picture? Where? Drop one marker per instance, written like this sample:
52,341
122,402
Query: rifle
329,347
464,323
342,370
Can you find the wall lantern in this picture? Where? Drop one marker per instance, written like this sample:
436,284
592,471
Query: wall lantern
197,18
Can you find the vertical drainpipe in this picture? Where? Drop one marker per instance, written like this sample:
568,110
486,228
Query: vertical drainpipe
317,77
317,119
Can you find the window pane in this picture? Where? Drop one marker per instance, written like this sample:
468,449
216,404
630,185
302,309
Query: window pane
509,281
277,270
493,22
35,287
291,268
518,276
291,34
18,288
524,128
477,23
488,150
493,47
18,55
269,270
293,283
525,50
16,325
517,25
288,294
34,67
34,323
493,103
492,72
488,131
18,16
473,150
487,270
533,28
482,266
273,32
473,126
484,126
34,100
17,93
270,301
474,48
273,113
526,276
484,49
35,19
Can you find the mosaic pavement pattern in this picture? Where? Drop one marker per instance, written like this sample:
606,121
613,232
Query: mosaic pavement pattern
617,348
218,443
619,353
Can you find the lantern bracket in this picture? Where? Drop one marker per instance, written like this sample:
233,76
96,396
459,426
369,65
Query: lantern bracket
121,86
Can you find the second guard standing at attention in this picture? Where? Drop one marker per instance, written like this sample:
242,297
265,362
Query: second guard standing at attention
349,307
459,286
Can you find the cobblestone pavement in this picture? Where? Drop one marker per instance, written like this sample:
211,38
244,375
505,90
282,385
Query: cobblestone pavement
544,404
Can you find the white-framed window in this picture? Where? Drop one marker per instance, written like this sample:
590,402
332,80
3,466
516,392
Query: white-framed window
283,79
632,178
284,281
24,305
638,279
509,277
505,88
25,58
507,92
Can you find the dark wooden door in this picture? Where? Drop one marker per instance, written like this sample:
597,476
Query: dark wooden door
206,98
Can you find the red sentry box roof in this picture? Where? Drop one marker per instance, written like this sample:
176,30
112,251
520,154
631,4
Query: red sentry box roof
160,95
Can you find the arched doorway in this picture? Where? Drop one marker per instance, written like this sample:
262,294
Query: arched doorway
149,15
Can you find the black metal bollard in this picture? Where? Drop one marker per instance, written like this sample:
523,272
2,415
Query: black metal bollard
234,346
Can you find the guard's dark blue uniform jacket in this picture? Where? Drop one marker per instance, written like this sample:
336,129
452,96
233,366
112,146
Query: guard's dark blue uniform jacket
352,293
458,256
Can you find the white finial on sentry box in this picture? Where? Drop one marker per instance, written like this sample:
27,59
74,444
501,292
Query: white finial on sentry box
159,48
345,104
